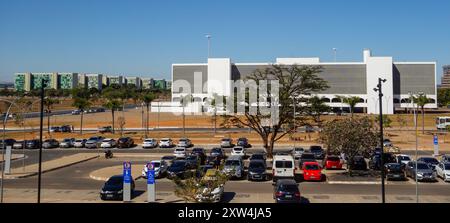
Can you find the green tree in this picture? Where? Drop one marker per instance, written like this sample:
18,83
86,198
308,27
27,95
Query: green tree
315,108
113,105
147,99
352,137
386,121
293,81
421,100
81,104
443,96
351,101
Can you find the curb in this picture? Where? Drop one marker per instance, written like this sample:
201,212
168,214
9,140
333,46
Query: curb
354,182
52,169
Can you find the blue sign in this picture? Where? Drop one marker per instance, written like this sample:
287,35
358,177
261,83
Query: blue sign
151,177
435,139
126,172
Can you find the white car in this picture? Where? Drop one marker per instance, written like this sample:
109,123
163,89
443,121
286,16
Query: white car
160,167
403,159
238,151
108,143
149,143
165,143
184,142
283,166
443,171
180,152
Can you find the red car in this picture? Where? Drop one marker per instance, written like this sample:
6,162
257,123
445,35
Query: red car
312,171
332,162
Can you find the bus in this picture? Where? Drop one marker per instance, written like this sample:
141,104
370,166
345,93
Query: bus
442,123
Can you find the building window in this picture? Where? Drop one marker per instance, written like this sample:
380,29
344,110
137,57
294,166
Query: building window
325,100
405,100
396,100
336,100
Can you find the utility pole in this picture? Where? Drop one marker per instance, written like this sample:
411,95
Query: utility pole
380,98
43,82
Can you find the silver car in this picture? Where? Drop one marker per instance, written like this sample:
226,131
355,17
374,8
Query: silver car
93,142
424,171
184,142
67,143
297,152
226,143
234,166
160,167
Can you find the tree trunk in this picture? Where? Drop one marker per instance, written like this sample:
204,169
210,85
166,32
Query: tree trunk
146,121
184,123
48,120
423,120
266,147
81,123
112,112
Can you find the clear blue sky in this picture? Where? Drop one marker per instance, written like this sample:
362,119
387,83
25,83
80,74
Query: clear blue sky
145,37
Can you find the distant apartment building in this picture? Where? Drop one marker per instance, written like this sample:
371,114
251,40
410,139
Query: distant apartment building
134,80
67,80
51,78
115,80
147,83
159,84
94,81
445,80
22,81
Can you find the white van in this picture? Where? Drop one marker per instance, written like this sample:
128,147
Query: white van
283,166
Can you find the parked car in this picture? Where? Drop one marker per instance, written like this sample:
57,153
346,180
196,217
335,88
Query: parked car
424,171
179,152
113,188
166,143
159,166
375,161
387,143
215,161
55,129
168,159
297,152
286,191
395,171
332,162
8,142
210,195
66,128
200,152
67,143
358,163
76,112
108,143
149,143
226,143
217,152
79,143
238,151
283,166
18,145
306,157
443,171
258,156
179,168
125,142
193,161
105,129
234,167
201,171
445,158
431,161
32,144
312,171
50,144
403,159
184,142
257,170
318,151
93,142
243,142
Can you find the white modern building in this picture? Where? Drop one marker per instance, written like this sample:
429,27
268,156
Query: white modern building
344,78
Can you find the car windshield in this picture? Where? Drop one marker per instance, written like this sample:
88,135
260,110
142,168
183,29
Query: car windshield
107,140
288,187
164,140
179,150
237,149
406,158
232,163
308,156
256,165
183,140
156,164
93,138
148,140
283,164
299,149
311,167
114,181
67,140
197,150
215,150
422,166
333,158
447,166
429,160
395,167
78,140
315,148
257,156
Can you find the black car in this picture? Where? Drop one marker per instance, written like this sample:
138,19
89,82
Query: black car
8,142
286,191
243,142
32,144
375,161
318,151
306,157
257,170
199,152
113,188
193,161
217,152
66,128
431,161
394,171
179,168
258,156
358,163
125,142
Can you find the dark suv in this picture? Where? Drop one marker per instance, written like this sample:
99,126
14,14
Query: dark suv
375,161
358,163
125,142
32,144
8,142
318,152
113,188
286,191
243,142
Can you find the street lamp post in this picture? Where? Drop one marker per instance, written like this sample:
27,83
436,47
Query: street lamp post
380,98
43,82
417,144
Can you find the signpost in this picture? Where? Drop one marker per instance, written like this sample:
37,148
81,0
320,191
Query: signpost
436,145
8,160
126,181
150,183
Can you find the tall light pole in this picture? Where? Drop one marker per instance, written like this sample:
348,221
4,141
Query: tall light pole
43,82
417,143
380,98
208,36
334,52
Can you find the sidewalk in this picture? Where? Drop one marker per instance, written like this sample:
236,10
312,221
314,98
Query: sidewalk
47,166
13,157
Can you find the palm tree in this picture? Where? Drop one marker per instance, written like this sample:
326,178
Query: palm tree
114,105
147,99
48,103
421,100
351,101
81,104
184,101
